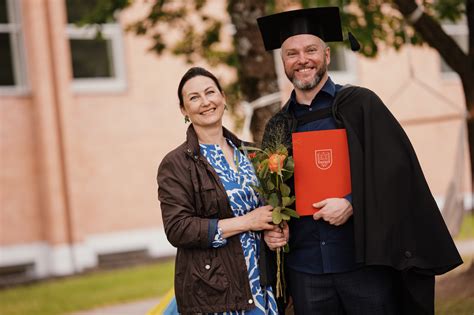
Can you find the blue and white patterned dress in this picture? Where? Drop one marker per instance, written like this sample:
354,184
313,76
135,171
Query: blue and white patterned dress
242,199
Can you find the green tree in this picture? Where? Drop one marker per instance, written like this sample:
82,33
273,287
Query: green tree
373,23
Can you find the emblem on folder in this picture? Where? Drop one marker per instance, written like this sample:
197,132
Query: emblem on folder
323,158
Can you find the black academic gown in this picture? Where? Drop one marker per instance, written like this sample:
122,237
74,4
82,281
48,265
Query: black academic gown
396,220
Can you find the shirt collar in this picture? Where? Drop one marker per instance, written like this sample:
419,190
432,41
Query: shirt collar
329,88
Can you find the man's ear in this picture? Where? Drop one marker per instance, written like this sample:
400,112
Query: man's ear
327,54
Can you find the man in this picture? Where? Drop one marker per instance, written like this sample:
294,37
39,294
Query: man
376,250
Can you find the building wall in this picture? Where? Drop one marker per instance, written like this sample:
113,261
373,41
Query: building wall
20,216
429,105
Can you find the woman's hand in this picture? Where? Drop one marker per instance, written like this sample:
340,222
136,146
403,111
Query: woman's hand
256,220
260,218
277,237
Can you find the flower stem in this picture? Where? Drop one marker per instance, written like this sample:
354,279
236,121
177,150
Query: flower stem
279,289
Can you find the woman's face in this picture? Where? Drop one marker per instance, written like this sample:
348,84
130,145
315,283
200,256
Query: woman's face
203,102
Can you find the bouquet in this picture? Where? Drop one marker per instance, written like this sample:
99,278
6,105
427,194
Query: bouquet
273,167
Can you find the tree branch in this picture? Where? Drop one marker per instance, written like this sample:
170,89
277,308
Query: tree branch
436,37
470,25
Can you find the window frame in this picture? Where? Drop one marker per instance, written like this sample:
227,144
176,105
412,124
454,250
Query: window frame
348,76
112,32
15,29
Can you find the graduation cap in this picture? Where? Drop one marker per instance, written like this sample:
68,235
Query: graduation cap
324,22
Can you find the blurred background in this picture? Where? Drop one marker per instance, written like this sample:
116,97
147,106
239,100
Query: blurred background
88,108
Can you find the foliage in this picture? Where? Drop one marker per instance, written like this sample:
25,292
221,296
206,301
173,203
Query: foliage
274,167
94,12
184,16
373,23
61,296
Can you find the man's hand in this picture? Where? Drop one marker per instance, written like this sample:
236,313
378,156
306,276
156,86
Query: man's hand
277,237
336,211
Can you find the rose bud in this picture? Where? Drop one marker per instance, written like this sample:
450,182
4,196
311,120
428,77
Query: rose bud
275,162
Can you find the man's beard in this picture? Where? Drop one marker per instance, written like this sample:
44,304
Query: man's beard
305,86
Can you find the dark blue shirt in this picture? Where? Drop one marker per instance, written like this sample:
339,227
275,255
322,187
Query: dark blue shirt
318,247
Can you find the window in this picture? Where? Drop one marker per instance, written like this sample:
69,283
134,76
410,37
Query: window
12,61
459,33
342,68
97,58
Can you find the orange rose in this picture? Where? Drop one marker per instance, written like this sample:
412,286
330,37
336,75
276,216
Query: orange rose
275,162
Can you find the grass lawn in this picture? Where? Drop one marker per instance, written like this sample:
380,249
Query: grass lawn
455,294
467,227
62,296
455,291
458,306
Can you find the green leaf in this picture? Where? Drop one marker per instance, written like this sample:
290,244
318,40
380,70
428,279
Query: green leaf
286,175
286,201
286,248
263,170
276,216
280,149
270,185
285,216
285,190
290,164
250,148
290,212
273,201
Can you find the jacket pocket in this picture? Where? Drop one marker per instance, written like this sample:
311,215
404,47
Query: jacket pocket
210,281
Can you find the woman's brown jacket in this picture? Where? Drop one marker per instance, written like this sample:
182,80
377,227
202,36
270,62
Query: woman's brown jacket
192,197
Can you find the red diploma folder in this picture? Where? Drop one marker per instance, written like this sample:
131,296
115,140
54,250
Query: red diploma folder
322,167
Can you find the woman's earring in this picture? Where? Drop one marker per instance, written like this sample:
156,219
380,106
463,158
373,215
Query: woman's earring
186,119
226,107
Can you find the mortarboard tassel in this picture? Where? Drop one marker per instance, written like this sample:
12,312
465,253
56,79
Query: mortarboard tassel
355,46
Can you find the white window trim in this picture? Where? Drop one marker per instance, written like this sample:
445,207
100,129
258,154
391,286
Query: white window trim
452,29
349,76
14,27
112,32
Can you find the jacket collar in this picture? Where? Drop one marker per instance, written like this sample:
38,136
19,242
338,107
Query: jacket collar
192,142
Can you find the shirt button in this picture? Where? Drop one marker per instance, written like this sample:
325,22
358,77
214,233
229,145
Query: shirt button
323,243
250,301
207,267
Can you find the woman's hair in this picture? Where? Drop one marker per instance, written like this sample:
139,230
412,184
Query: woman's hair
191,73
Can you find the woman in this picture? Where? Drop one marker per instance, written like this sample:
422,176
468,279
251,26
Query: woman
210,211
